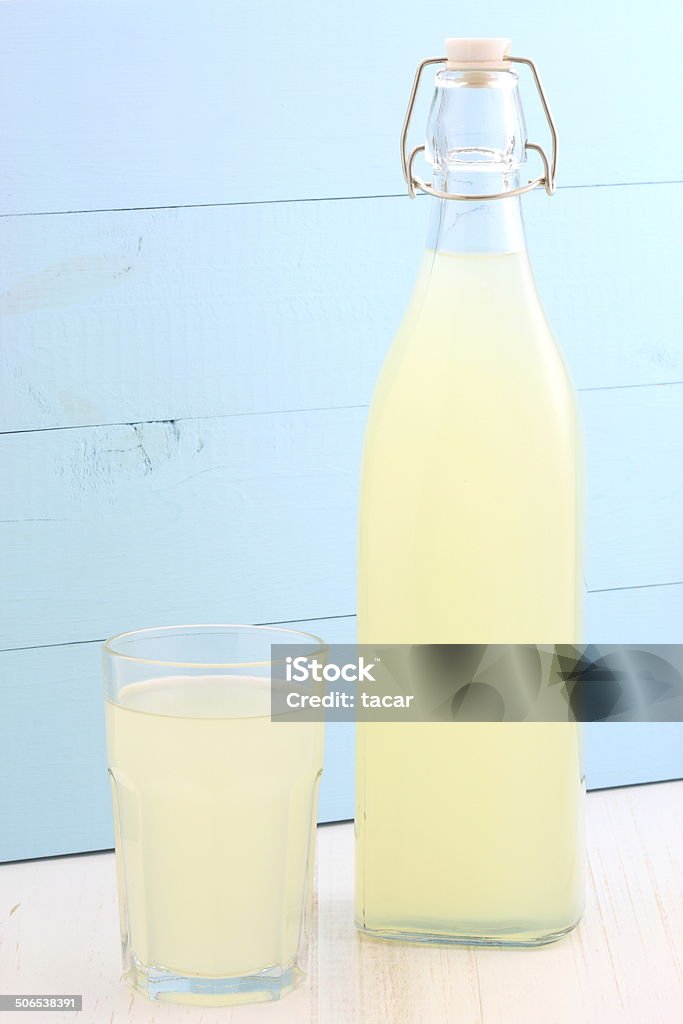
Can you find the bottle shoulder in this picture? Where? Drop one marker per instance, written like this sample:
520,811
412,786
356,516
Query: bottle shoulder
475,335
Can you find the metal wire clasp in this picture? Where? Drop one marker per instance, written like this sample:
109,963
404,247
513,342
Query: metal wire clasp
546,180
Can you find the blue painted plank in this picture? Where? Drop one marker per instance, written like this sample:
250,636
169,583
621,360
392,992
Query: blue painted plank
608,267
241,518
170,314
122,104
620,754
54,790
628,753
634,460
124,317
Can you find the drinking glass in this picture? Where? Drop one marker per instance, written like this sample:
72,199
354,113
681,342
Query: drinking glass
214,812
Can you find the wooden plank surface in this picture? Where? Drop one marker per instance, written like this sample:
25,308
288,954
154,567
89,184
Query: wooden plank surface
122,104
203,319
169,314
622,965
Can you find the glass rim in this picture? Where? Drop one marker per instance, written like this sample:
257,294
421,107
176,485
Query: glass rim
109,648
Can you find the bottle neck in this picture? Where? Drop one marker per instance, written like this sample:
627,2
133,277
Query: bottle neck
476,146
488,226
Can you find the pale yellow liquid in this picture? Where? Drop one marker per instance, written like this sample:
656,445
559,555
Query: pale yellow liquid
469,533
215,813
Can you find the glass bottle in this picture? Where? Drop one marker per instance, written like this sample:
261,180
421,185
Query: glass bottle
470,534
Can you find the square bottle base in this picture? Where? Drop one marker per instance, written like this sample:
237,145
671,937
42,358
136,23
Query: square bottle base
467,938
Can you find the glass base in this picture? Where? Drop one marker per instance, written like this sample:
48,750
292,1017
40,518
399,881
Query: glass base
468,937
169,986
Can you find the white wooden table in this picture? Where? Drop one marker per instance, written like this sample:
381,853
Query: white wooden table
59,933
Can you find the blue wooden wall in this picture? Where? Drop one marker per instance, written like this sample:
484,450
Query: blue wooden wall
207,248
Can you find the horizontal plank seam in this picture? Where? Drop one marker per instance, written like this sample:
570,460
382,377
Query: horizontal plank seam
636,586
301,199
285,412
77,643
632,785
626,387
171,421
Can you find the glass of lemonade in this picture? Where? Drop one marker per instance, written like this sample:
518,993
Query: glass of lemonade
214,812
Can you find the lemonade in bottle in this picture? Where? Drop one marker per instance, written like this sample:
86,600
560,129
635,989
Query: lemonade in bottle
470,534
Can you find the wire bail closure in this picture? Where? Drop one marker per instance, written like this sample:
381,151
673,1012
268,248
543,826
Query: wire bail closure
546,180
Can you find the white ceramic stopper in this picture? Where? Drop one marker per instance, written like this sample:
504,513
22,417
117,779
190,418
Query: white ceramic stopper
488,54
